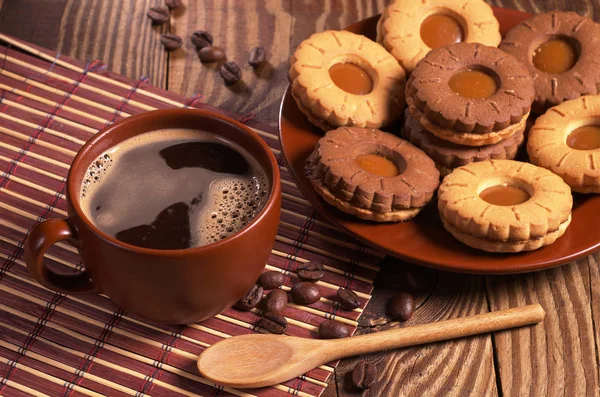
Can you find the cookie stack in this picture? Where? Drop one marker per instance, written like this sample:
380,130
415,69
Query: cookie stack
466,103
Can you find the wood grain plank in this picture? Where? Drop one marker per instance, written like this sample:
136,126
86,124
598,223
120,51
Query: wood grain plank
114,31
32,20
454,368
117,32
237,27
558,357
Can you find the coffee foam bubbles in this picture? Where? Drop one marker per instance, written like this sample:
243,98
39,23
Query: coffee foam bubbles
231,205
95,172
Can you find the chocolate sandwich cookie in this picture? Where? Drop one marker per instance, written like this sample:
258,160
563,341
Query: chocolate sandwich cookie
448,155
471,88
339,78
505,205
566,140
372,174
466,138
562,51
409,29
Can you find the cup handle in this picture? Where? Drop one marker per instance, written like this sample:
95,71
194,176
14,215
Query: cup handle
43,236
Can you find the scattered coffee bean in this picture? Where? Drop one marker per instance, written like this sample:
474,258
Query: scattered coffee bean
363,375
173,3
348,298
251,299
158,15
171,41
274,323
257,56
310,271
231,72
201,39
211,54
305,293
402,306
272,279
331,329
276,301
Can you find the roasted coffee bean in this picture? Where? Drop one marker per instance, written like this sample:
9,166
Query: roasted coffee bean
305,293
257,56
310,271
173,3
272,279
348,298
402,306
231,72
251,299
211,54
201,39
331,329
363,375
274,323
171,41
276,301
158,15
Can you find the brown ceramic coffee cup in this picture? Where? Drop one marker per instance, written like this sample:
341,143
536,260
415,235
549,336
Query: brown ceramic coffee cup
169,286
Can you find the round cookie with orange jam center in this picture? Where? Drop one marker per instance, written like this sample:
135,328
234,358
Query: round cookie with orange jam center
505,205
561,51
339,78
471,88
409,29
566,140
371,174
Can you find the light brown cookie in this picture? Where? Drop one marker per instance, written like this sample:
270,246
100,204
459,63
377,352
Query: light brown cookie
408,34
466,138
372,174
339,78
507,246
557,142
504,205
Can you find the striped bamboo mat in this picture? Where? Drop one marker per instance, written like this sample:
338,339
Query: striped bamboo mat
57,345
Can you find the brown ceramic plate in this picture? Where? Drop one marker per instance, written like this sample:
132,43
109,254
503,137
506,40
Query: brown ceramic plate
423,240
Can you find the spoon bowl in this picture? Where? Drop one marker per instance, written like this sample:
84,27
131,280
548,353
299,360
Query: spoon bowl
260,359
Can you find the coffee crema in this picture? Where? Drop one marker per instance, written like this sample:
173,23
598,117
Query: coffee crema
173,189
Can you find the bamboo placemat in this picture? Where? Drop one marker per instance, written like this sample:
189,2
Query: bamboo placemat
57,345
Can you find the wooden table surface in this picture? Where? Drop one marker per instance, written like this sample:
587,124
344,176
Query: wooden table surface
558,358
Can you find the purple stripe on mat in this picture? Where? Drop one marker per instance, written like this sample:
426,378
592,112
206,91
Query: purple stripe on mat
9,391
48,96
25,379
86,363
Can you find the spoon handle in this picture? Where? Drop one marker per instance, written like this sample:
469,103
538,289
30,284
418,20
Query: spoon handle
438,331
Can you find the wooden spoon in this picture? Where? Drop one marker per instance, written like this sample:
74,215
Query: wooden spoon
259,360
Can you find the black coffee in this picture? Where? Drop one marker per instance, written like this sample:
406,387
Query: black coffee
173,189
